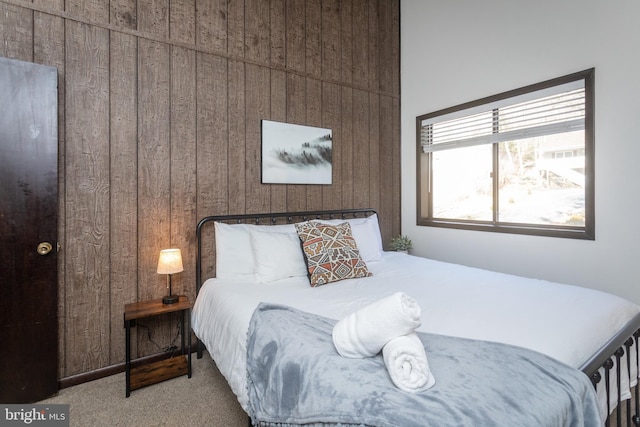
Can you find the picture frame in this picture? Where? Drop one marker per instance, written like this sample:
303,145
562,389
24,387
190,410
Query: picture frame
296,154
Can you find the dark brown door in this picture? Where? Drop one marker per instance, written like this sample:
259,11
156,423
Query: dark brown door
28,231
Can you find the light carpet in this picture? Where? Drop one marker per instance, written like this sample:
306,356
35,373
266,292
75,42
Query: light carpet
205,399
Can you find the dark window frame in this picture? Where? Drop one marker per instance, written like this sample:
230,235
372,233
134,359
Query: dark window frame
424,176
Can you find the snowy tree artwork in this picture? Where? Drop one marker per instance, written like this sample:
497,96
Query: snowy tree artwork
295,154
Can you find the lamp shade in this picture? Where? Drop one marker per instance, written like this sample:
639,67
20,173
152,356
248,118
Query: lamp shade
170,261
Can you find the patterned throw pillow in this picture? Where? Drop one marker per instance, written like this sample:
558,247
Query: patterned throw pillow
331,252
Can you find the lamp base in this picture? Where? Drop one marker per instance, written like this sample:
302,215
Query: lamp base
170,299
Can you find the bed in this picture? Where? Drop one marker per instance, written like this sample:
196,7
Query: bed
253,260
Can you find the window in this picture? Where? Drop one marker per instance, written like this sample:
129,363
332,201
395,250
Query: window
518,162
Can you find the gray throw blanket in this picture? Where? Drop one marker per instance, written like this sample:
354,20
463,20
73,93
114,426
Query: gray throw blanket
295,376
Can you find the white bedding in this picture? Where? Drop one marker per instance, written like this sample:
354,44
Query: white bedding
568,323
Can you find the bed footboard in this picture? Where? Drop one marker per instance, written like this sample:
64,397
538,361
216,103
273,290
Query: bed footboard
618,359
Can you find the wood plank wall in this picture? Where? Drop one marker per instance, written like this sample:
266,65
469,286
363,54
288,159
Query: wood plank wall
160,109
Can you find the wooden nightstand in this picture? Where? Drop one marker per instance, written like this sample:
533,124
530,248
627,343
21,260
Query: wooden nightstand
165,369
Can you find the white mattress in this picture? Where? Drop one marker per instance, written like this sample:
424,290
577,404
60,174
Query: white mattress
568,323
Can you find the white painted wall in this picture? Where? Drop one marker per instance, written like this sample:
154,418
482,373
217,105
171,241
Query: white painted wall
454,51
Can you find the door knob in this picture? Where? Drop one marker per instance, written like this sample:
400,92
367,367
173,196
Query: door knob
44,248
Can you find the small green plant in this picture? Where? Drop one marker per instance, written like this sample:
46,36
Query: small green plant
400,243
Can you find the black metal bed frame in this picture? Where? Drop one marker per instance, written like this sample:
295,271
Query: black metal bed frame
610,356
627,412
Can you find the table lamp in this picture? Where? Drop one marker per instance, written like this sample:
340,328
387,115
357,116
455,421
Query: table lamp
170,262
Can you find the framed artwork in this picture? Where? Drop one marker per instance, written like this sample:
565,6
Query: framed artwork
295,154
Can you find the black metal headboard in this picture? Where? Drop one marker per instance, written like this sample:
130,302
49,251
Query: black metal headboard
271,219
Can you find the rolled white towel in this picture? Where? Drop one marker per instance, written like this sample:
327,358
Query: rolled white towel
364,332
407,364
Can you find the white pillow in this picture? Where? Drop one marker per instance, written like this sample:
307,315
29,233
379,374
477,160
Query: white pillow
277,255
368,240
366,232
234,253
234,256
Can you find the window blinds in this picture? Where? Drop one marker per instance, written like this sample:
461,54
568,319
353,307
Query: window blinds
553,110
